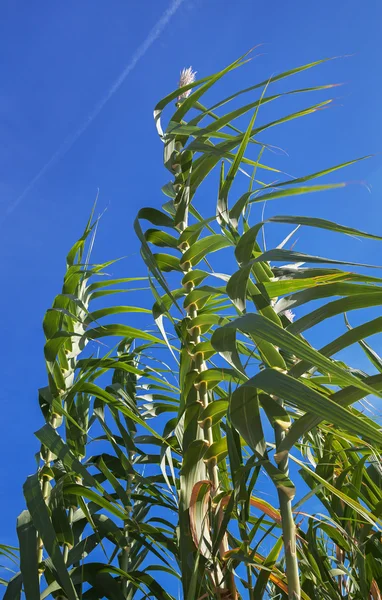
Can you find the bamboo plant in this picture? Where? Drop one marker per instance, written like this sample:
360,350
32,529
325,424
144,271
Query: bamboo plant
221,401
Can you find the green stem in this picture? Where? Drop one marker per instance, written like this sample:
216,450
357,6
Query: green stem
66,546
199,365
212,468
125,559
250,584
45,494
288,527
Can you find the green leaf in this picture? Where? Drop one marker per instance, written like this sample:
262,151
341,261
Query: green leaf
275,78
324,290
83,548
244,411
41,520
268,564
218,450
13,591
29,567
272,333
246,243
360,510
203,248
161,238
344,397
51,440
345,340
335,535
107,528
374,358
83,492
124,331
226,120
214,412
224,342
298,191
113,401
335,308
324,223
297,394
222,207
155,217
199,518
114,310
167,263
283,255
121,493
59,515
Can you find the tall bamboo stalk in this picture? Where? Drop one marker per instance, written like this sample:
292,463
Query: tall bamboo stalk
125,559
288,525
199,365
45,492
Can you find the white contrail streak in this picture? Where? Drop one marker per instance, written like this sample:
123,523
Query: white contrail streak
72,138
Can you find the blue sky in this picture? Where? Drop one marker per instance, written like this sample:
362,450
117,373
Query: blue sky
60,63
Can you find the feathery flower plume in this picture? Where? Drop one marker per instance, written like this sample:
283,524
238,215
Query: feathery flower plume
186,76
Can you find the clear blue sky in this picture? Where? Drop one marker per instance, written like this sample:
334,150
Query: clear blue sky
60,61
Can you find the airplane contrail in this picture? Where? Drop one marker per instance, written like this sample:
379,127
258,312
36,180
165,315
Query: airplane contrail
72,138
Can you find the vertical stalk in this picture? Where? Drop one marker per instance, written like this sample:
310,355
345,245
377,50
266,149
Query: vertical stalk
45,493
186,543
199,365
250,584
71,511
67,546
288,526
61,376
202,396
125,558
199,362
244,536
